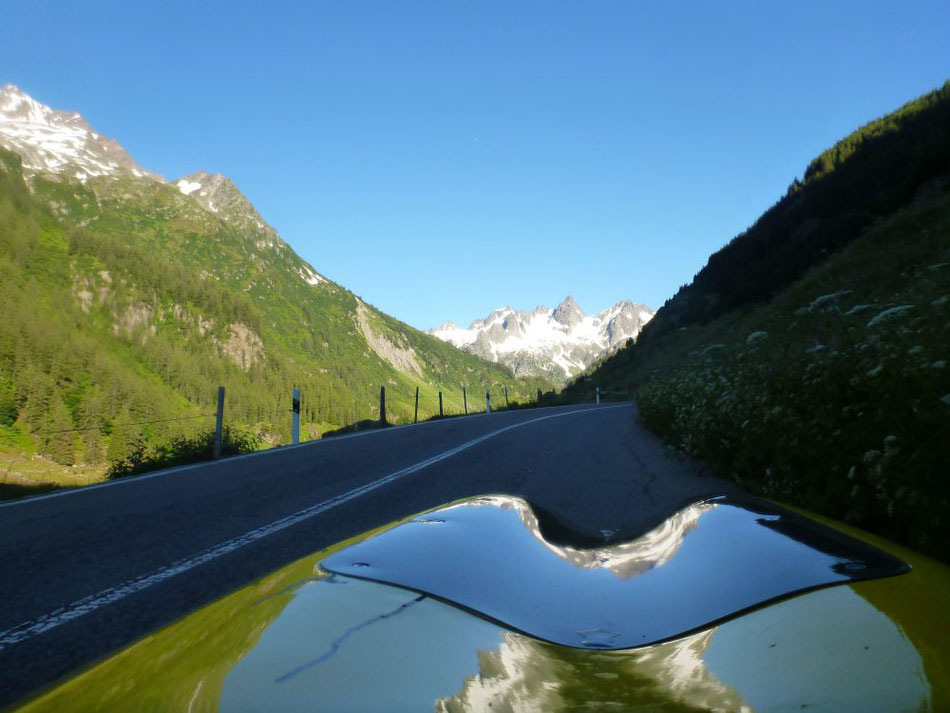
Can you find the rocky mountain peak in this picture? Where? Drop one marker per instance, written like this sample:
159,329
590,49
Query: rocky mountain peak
218,194
557,344
60,143
568,312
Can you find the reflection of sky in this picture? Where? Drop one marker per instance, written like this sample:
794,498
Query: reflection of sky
830,650
404,662
706,562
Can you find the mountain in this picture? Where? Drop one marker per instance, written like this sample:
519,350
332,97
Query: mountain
554,343
58,142
127,298
809,359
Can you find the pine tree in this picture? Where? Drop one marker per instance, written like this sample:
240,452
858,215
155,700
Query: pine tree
125,440
8,409
58,439
91,423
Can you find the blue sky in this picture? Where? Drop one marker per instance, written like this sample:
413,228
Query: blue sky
444,158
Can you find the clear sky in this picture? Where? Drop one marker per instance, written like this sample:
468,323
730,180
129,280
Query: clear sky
444,158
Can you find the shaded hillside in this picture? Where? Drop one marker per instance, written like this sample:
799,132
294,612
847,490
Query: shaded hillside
125,300
862,178
834,393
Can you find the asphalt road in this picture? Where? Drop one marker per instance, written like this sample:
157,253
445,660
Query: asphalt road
87,571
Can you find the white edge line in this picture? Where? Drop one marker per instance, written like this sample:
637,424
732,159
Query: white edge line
80,489
85,605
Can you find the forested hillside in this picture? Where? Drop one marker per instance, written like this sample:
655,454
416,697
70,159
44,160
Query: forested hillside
810,358
124,300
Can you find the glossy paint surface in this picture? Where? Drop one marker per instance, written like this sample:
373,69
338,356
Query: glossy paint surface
302,639
707,562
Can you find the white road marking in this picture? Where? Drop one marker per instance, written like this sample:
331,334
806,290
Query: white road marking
257,454
80,607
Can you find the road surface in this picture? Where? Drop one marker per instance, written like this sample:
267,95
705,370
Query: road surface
87,571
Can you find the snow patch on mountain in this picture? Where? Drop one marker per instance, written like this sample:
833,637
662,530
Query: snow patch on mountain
308,275
59,142
218,194
558,343
187,187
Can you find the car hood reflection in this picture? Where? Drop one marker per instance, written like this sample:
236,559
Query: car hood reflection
708,562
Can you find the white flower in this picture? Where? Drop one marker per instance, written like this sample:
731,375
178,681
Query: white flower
888,314
829,300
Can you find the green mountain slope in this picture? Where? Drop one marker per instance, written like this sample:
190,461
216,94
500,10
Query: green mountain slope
125,300
821,375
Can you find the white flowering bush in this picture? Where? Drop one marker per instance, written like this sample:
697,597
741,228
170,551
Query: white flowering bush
835,399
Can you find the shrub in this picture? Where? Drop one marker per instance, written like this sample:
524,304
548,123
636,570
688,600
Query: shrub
182,451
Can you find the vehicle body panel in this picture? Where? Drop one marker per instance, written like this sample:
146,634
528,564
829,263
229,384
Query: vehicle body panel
303,638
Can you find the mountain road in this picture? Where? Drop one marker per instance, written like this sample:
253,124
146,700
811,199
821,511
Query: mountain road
87,571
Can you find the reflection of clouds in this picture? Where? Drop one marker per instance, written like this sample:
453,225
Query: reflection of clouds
626,559
527,676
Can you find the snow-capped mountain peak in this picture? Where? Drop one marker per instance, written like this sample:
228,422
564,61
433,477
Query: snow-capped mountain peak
59,142
558,343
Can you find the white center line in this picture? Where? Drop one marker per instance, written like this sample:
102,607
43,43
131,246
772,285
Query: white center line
80,607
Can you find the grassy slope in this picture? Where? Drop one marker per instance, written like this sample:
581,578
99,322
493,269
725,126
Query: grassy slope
120,298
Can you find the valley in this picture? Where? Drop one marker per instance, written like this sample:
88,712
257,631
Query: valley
128,299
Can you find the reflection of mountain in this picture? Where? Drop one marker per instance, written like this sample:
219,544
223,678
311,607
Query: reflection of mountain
626,559
527,675
516,677
678,667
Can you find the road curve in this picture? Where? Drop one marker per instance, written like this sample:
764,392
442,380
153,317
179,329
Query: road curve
86,571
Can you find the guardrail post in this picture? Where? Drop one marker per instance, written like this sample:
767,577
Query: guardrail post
507,405
465,400
415,418
382,405
441,413
597,395
487,401
219,423
295,418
